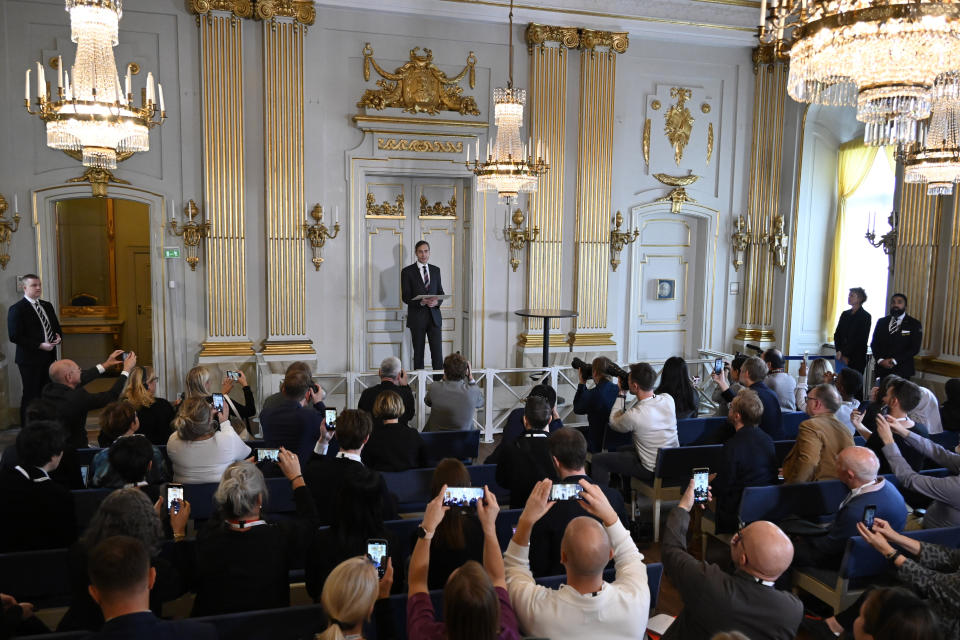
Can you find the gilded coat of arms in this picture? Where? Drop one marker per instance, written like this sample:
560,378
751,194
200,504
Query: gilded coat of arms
678,122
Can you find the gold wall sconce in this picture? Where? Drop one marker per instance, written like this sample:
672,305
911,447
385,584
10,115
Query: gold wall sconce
740,239
192,232
778,242
887,241
518,238
619,239
8,227
318,234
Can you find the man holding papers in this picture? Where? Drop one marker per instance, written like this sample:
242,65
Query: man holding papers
422,292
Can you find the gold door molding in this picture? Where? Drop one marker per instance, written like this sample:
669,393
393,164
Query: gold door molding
950,342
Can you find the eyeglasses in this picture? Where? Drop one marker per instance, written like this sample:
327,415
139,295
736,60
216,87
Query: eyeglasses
809,398
739,539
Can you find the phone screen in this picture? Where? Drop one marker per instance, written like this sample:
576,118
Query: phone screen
84,472
869,513
331,418
701,484
174,495
565,492
268,454
462,496
233,375
377,550
218,401
718,365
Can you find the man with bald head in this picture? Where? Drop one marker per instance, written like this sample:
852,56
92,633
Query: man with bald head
819,439
585,606
67,396
745,601
857,468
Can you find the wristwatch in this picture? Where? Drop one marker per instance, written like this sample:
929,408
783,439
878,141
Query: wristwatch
424,534
893,556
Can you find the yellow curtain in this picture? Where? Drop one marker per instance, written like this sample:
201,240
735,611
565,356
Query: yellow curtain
890,152
855,161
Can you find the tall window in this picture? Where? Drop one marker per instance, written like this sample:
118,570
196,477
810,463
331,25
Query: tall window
862,265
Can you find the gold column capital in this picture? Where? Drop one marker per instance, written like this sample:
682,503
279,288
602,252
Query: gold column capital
576,38
302,11
769,54
239,8
616,41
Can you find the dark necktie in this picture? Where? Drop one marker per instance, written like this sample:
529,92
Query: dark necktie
47,335
426,276
894,324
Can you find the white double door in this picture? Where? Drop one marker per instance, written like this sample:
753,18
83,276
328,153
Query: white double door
402,212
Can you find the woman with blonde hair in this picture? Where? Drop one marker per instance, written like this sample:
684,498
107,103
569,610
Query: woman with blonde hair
349,597
821,371
198,385
203,444
393,446
155,414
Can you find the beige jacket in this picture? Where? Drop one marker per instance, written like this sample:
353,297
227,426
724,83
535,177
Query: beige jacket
814,456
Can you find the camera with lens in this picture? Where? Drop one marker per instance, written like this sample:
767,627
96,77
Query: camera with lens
585,368
615,370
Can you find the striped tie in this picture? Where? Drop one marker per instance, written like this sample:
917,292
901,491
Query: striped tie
47,333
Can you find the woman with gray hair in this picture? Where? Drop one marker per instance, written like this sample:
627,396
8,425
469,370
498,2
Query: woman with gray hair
242,560
203,443
126,512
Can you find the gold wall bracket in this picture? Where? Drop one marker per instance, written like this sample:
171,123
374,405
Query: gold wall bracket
620,239
779,243
318,234
887,241
740,240
8,227
192,232
518,238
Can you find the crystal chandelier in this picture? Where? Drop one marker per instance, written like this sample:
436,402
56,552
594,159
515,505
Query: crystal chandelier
937,163
91,114
510,166
881,56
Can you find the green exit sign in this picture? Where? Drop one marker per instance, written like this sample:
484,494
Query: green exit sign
171,252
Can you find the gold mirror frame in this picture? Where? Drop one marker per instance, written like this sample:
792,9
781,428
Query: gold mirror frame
109,310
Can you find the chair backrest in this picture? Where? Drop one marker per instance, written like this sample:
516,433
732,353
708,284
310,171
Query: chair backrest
948,439
791,423
862,561
805,499
486,474
288,623
40,577
692,431
85,504
200,497
462,445
674,464
85,456
782,448
411,488
506,523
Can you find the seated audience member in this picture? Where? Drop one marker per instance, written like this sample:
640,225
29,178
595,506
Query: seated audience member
392,378
238,415
651,421
895,614
67,394
850,386
745,601
596,403
876,401
752,377
393,446
780,382
820,372
475,600
119,420
121,583
857,468
819,439
927,411
675,381
203,443
243,561
126,512
527,462
513,428
748,459
586,606
454,400
901,398
350,596
278,397
18,619
155,414
129,463
950,411
358,518
944,511
568,449
37,512
325,474
732,370
297,423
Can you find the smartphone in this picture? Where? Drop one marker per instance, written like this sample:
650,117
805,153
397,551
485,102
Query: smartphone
884,410
565,492
463,497
701,484
718,366
218,401
331,418
268,454
124,356
182,396
233,375
377,552
869,513
174,497
806,359
84,473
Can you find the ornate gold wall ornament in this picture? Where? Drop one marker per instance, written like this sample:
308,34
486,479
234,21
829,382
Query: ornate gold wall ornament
419,146
518,237
740,240
646,144
678,195
778,242
385,208
676,181
538,34
678,122
8,227
617,41
655,105
192,232
239,8
705,108
709,142
438,208
419,86
98,179
302,11
620,239
317,234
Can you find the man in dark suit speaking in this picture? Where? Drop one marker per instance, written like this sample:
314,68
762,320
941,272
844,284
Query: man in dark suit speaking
423,316
896,339
33,326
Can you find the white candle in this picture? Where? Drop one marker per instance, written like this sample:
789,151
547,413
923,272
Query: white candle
26,87
160,88
173,209
41,81
59,72
336,214
118,89
16,204
763,12
128,83
67,91
478,139
150,89
547,150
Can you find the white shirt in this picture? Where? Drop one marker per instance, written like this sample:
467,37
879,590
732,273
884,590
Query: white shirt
421,266
653,423
843,414
927,412
200,461
617,611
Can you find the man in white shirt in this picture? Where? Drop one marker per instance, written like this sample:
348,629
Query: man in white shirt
652,420
782,383
849,383
585,606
